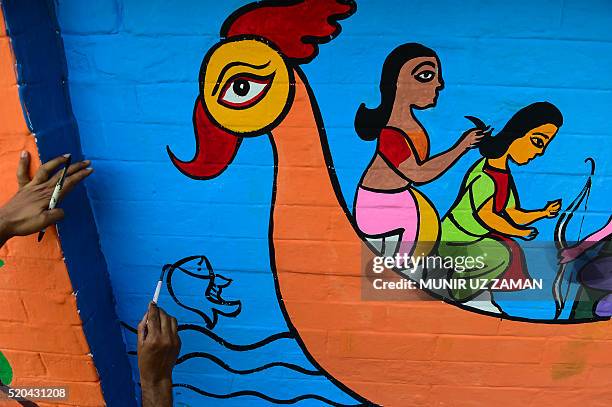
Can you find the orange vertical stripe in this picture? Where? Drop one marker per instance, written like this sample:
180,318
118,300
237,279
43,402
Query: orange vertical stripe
40,329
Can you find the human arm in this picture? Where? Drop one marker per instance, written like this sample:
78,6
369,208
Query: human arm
525,217
27,211
158,348
421,172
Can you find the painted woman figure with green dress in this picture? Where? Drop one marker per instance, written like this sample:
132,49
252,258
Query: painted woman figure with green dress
487,215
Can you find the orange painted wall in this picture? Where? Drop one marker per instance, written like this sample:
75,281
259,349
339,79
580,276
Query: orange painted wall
40,330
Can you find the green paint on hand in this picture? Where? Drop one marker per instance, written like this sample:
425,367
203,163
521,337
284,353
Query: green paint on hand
6,373
1,263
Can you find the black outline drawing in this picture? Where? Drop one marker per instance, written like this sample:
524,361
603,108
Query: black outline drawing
213,294
293,65
214,289
267,398
561,240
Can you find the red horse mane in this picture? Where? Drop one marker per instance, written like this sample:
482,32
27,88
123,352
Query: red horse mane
295,27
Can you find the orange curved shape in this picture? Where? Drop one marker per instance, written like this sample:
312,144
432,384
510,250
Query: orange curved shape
429,225
400,353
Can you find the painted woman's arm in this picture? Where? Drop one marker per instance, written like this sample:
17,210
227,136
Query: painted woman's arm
422,172
497,223
525,217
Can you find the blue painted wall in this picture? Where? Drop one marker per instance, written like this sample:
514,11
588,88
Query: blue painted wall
133,68
45,97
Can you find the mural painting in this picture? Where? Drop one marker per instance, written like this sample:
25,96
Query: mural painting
252,85
330,137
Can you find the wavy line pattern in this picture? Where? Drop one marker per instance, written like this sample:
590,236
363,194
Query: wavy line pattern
227,367
233,346
264,397
223,342
243,348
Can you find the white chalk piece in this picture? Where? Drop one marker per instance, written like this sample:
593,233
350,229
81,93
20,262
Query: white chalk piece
56,191
157,291
159,285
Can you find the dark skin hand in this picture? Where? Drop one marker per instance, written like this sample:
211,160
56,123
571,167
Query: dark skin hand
158,347
27,211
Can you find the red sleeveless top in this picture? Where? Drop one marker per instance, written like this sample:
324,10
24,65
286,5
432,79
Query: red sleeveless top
502,181
395,146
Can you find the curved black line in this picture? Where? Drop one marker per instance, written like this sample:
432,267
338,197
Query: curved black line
210,322
263,396
223,342
222,364
343,205
231,64
227,367
561,241
590,160
333,20
203,259
233,346
129,328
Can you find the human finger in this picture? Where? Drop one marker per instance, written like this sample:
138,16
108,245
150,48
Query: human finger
74,168
23,175
165,323
142,327
71,181
153,322
47,169
173,326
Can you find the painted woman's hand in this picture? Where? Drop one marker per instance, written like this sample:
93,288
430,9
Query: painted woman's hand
27,211
470,139
529,234
552,208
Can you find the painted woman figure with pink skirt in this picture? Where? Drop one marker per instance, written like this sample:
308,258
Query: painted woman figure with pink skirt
387,202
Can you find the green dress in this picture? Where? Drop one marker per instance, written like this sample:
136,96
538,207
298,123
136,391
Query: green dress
464,236
6,373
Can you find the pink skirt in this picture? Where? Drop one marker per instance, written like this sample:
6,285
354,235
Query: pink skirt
380,213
